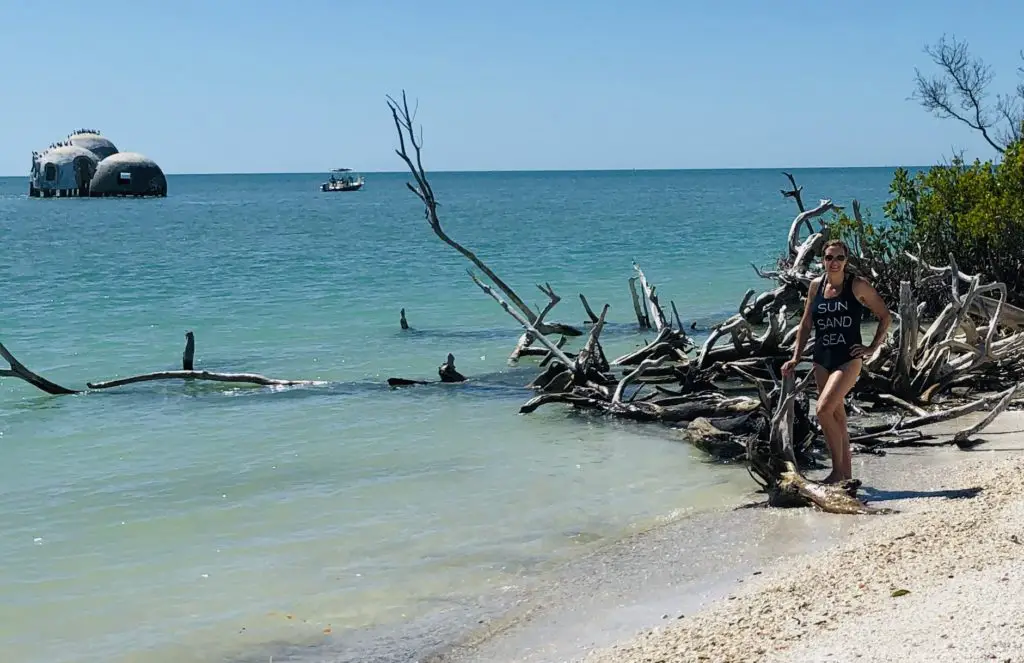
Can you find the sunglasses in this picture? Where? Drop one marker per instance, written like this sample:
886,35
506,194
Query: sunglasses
830,257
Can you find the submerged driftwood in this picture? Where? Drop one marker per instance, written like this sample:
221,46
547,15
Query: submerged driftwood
446,372
248,378
19,370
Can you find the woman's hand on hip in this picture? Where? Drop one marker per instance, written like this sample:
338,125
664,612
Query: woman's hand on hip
862,351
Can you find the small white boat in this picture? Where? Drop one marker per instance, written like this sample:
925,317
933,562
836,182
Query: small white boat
347,182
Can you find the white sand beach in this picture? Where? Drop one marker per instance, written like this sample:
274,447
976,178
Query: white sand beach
941,580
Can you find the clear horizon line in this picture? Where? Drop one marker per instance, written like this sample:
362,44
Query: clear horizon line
555,170
532,170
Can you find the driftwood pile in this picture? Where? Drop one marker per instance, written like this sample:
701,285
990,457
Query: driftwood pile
726,394
727,398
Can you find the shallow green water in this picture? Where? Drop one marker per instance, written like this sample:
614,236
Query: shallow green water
170,522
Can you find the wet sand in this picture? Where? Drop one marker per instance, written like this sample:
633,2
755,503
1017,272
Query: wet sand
754,585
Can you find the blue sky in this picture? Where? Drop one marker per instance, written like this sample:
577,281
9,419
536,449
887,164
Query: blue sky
260,86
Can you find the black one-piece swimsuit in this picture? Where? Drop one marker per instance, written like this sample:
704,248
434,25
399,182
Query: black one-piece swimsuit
836,323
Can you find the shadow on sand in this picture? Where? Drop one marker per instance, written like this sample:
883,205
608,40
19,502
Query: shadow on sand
876,495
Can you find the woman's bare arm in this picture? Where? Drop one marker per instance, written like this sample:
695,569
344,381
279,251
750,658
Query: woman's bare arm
805,321
868,296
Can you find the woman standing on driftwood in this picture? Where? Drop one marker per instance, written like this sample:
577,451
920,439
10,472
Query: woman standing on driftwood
835,305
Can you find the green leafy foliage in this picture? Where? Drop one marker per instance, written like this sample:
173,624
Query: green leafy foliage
877,251
971,211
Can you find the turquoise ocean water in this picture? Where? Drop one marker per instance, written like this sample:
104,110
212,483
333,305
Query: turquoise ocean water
195,522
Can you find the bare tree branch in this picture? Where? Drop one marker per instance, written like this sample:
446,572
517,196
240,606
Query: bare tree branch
404,119
522,320
18,370
657,314
960,89
793,193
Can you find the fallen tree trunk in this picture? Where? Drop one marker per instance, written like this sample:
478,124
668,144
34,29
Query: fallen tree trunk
250,378
999,401
189,374
703,434
19,370
965,438
685,411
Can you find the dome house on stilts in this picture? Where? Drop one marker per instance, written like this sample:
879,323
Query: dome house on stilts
87,164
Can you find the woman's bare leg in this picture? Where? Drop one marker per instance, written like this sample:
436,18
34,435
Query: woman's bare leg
832,415
847,464
828,425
